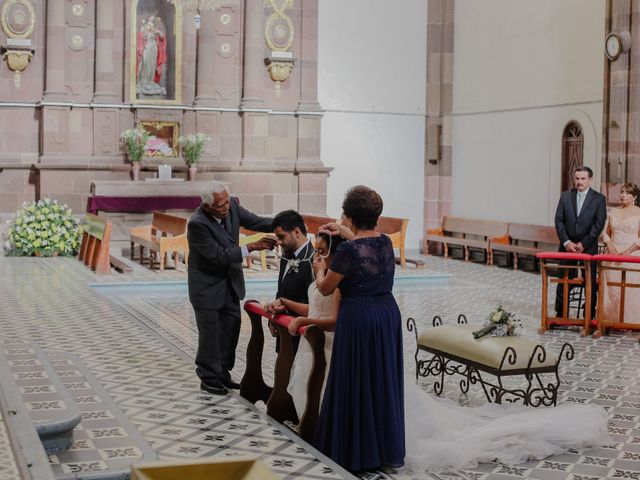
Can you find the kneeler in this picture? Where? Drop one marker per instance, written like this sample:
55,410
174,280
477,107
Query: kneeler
279,403
565,262
623,284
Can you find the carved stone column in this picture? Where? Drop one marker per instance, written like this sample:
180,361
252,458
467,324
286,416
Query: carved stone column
109,51
55,119
254,123
206,89
621,119
109,80
55,49
254,70
308,62
438,137
308,125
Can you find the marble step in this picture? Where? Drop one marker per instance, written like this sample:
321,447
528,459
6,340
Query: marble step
105,443
49,406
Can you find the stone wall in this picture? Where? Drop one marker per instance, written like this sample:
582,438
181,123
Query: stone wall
60,124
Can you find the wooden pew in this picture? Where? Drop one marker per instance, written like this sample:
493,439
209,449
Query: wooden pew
396,230
94,249
278,401
314,222
167,233
523,239
467,233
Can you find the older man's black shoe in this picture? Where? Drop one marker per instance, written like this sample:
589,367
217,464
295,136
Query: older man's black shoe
215,389
229,383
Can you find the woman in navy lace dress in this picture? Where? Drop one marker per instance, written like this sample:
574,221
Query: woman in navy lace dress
361,423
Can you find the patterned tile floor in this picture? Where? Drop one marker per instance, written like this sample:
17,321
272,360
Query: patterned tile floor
137,342
8,465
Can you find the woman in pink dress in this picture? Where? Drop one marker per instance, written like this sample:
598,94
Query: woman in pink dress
621,236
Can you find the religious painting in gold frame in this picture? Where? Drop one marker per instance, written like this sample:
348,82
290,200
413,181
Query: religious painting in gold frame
156,52
163,138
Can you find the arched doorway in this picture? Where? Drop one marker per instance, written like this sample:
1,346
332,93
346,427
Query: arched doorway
572,153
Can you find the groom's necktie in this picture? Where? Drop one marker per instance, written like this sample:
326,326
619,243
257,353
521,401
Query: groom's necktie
581,196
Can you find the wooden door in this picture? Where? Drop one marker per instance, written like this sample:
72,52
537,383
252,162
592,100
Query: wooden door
572,153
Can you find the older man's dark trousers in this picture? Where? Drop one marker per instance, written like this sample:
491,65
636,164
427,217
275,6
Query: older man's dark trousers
218,332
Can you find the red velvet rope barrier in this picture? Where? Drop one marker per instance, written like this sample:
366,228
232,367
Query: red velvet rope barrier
616,258
585,257
564,256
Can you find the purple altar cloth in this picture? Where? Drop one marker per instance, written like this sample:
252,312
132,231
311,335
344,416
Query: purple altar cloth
141,204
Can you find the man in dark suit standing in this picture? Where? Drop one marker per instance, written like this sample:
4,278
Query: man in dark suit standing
580,218
216,281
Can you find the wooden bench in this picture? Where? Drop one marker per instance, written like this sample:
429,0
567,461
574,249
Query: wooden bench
466,233
523,239
454,350
94,248
279,402
396,230
167,233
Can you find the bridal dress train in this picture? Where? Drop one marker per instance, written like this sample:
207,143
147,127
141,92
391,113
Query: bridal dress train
444,436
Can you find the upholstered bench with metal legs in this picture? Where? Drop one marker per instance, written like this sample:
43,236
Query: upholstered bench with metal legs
454,350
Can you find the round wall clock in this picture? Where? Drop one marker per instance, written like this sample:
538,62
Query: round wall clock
613,46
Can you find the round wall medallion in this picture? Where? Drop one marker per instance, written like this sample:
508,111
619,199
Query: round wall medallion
279,32
77,9
225,18
18,19
77,42
224,50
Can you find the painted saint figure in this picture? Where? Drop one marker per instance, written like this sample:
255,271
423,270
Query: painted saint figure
151,54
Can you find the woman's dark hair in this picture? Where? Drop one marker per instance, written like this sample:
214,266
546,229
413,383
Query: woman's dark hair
331,241
288,220
631,189
362,206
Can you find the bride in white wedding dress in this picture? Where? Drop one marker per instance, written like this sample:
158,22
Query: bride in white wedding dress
320,311
441,435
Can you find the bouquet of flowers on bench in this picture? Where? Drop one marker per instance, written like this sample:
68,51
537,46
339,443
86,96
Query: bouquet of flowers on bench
500,323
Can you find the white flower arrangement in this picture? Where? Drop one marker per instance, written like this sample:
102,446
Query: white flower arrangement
135,140
193,146
44,228
500,323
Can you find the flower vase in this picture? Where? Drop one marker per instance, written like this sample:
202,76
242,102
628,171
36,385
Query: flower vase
192,173
135,171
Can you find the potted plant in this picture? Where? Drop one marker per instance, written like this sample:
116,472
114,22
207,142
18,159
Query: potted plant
192,148
45,229
135,140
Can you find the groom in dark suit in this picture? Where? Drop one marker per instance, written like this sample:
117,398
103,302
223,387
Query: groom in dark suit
216,282
580,218
296,273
